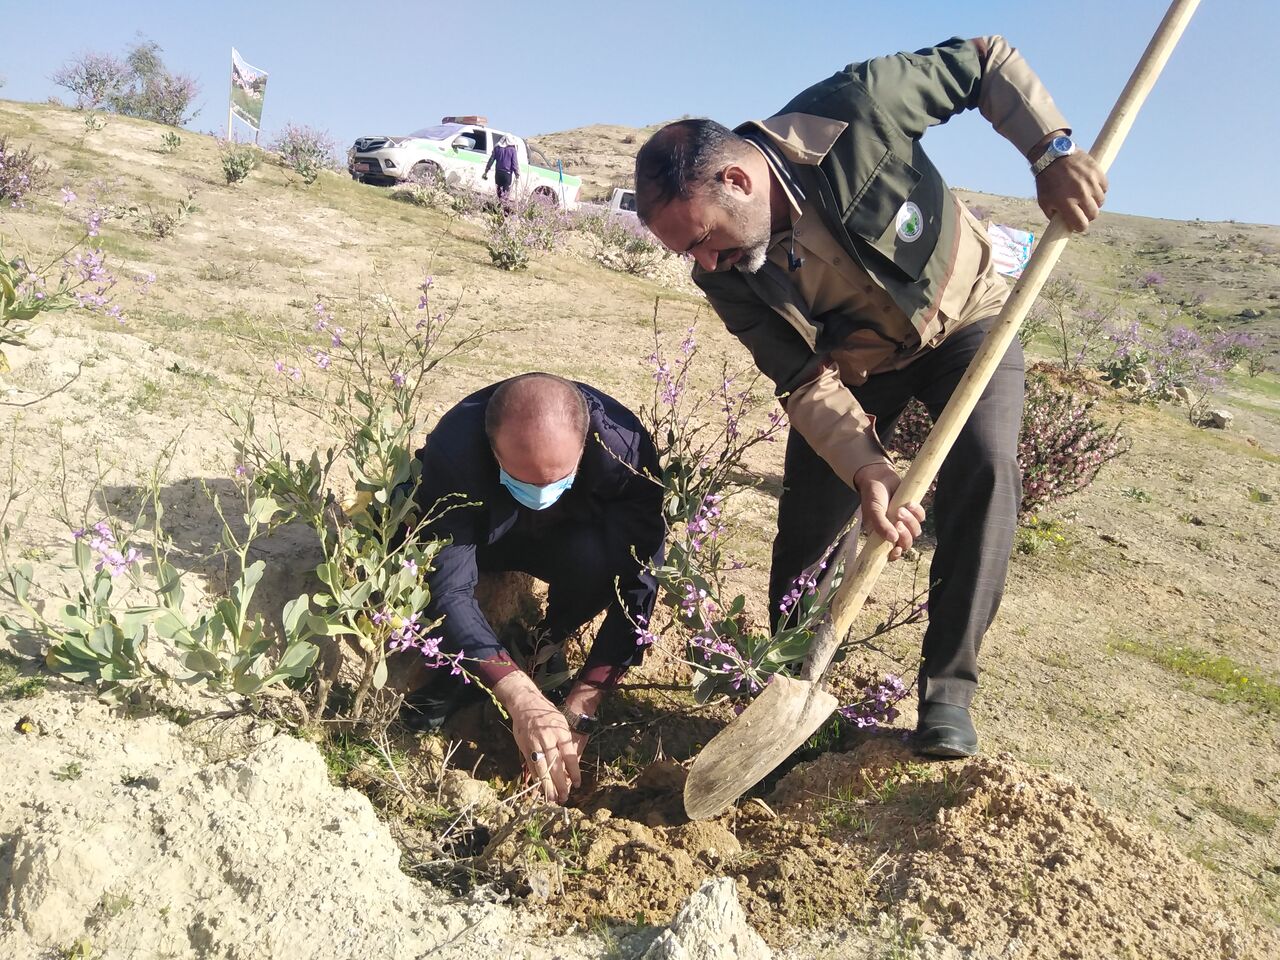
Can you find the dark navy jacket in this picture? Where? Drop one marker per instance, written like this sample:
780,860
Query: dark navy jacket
610,492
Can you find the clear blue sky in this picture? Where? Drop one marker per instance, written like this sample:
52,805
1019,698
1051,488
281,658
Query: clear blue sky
1206,144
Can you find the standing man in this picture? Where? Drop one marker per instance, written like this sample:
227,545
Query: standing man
557,480
506,158
831,247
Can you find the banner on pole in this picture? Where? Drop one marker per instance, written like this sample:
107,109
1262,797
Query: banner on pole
248,88
1010,248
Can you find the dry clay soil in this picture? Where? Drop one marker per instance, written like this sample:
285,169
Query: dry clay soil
1122,808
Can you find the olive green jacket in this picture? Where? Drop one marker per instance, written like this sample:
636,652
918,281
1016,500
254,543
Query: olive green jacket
852,144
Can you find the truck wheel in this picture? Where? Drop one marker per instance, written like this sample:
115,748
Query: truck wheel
547,194
425,170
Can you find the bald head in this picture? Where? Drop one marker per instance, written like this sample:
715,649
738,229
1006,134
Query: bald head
537,426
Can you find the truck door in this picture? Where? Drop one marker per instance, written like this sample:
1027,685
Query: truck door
472,145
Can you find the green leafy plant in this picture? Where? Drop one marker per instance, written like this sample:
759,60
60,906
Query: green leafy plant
363,381
238,160
170,142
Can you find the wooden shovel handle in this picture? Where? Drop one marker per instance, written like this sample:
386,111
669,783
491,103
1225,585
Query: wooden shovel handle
853,592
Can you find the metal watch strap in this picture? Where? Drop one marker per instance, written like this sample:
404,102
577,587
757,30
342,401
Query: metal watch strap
1048,156
580,722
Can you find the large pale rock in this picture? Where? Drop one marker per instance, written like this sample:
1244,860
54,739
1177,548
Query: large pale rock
215,842
711,926
1219,419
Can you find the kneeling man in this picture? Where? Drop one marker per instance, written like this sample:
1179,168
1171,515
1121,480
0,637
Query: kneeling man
559,481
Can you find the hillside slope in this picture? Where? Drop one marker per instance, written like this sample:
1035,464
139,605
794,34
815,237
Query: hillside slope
1135,658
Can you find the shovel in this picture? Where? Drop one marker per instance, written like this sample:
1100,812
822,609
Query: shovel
790,710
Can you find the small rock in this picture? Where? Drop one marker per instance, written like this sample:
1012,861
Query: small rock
711,926
460,792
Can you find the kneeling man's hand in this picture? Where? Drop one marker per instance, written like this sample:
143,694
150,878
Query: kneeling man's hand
876,483
548,747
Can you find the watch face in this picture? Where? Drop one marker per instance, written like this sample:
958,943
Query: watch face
1061,145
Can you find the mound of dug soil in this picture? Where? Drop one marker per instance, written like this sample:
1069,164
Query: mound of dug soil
988,855
138,838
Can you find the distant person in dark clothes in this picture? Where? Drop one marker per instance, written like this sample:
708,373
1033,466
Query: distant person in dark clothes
504,156
557,481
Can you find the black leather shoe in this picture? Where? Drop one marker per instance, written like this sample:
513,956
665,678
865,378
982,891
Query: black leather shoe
427,709
945,730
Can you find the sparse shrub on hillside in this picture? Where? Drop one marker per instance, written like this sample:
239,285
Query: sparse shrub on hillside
20,172
306,150
432,191
621,243
1061,447
427,191
170,142
1190,368
163,223
526,228
1151,280
1176,364
1256,363
94,78
1073,320
238,160
138,86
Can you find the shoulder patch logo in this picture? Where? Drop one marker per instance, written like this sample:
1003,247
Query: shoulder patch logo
910,223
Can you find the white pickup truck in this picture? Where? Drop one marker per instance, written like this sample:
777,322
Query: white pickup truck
457,152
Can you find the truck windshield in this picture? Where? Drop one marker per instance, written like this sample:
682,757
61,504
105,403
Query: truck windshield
441,131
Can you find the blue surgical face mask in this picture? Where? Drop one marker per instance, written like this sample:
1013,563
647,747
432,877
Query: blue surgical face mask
530,494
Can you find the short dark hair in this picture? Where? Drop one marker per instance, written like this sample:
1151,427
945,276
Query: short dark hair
541,397
677,161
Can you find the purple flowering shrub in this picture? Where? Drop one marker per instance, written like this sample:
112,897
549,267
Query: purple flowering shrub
361,370
76,277
95,79
138,86
620,242
1151,280
702,439
1176,363
524,228
1060,450
361,378
20,172
306,150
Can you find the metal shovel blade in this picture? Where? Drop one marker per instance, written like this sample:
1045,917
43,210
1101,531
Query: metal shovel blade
773,726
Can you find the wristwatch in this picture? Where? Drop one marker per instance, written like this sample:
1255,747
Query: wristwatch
1062,146
580,722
